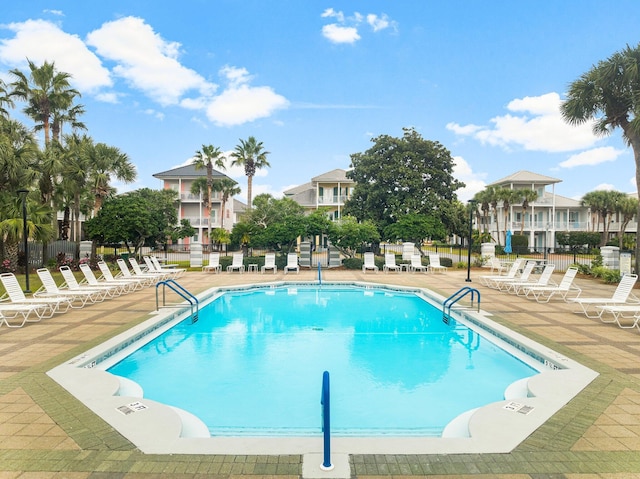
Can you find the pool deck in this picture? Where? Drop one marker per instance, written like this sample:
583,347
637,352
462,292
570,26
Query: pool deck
46,433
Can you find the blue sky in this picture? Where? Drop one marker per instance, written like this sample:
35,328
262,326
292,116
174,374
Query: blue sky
316,81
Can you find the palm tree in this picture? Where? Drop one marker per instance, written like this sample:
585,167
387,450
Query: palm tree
75,175
206,158
609,93
626,208
228,189
482,198
47,94
508,197
18,154
107,161
250,154
5,99
526,196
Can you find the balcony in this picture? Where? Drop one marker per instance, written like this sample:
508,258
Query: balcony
332,199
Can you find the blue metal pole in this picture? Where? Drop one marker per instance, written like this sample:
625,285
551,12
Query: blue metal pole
326,422
319,273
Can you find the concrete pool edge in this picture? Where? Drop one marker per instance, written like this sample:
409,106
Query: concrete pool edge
155,428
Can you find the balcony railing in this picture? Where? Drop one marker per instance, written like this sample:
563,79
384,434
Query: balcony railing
332,199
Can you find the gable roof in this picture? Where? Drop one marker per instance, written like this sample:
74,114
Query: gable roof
337,175
524,177
187,171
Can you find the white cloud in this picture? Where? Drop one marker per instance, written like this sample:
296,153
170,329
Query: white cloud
592,157
339,34
146,60
240,103
536,125
605,187
474,181
345,29
40,41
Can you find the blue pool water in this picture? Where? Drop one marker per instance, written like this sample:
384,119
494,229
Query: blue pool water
253,363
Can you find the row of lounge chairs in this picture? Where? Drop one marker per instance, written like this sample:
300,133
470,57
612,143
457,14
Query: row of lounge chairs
621,308
237,263
16,309
415,264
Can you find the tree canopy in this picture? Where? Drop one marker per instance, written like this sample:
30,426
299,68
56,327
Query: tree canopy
400,176
139,218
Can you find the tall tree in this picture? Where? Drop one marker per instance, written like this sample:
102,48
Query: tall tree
227,188
48,94
398,176
626,209
207,157
508,197
609,95
251,155
107,162
5,100
525,196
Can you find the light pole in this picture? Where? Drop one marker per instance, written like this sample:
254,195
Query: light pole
472,204
23,194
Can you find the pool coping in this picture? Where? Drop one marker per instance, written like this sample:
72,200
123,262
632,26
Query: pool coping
159,429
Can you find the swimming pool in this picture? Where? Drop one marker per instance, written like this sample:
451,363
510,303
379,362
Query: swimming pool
253,362
155,427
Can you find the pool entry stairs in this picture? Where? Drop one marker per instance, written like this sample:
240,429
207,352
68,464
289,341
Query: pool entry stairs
180,291
454,298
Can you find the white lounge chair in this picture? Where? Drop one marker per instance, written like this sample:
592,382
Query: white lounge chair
237,263
496,265
292,263
78,298
621,311
72,284
108,278
11,311
620,296
502,282
390,263
416,264
125,273
543,294
434,264
154,266
518,287
269,263
214,264
369,263
138,271
14,293
167,267
112,290
486,279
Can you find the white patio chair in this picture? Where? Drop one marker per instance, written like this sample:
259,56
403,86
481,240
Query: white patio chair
214,264
292,263
78,298
112,290
169,267
503,281
154,266
369,263
237,263
137,271
390,263
416,264
132,283
518,287
125,273
14,293
620,296
543,294
269,263
486,279
434,264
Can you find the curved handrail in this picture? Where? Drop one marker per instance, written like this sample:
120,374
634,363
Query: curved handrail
454,298
182,292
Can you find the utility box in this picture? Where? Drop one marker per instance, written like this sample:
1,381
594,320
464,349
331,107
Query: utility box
305,254
610,257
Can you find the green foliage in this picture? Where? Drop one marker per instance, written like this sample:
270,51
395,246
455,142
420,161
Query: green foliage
138,218
520,244
349,235
606,274
398,176
578,240
582,268
353,263
416,228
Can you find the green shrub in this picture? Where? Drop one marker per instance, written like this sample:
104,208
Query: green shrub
611,276
461,265
353,263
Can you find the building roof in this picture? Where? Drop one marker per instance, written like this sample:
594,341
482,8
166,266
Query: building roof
333,176
524,177
187,171
562,201
297,189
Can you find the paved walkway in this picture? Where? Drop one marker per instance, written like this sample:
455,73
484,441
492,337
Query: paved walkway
46,433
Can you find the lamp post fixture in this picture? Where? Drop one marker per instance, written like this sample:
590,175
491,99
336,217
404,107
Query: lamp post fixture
472,204
23,194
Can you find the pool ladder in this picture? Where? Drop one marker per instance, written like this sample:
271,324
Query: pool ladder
454,298
182,292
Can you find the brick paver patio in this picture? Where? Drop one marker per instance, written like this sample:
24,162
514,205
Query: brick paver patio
46,433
